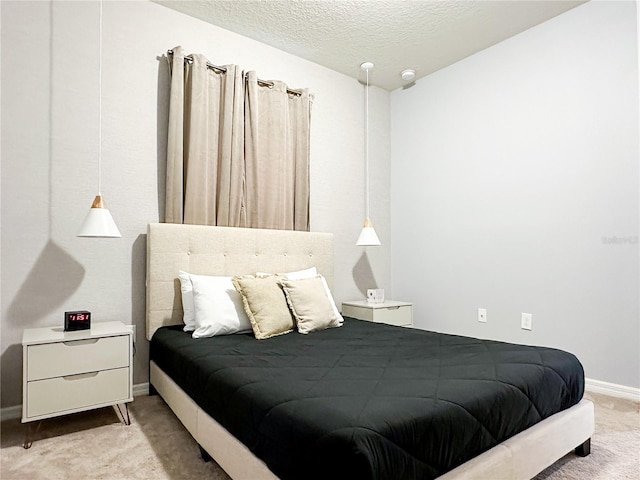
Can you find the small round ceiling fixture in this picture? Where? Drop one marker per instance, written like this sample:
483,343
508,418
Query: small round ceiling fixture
366,66
408,75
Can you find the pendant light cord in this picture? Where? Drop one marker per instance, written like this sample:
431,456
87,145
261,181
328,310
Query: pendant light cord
100,107
366,143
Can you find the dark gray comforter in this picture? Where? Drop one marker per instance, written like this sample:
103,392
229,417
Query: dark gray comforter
369,401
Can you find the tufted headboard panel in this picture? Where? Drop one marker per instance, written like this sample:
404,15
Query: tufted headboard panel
223,251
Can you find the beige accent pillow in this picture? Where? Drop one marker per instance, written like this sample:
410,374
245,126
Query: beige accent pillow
297,275
308,273
309,303
265,305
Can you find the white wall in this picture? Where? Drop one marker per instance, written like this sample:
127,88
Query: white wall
515,187
49,159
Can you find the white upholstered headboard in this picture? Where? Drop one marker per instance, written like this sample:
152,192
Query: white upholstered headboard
224,251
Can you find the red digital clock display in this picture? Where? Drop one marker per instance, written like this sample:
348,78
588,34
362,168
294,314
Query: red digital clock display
78,320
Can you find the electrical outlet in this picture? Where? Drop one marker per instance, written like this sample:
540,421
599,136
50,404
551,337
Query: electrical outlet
526,323
482,315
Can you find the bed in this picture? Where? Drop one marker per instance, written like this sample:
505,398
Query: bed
455,450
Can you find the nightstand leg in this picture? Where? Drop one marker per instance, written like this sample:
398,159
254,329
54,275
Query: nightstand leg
127,419
28,441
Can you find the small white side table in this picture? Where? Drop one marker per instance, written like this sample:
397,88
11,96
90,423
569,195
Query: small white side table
68,372
391,312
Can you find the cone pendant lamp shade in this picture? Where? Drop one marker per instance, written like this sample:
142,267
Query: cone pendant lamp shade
368,236
99,222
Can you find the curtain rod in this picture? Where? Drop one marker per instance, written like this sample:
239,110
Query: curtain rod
216,68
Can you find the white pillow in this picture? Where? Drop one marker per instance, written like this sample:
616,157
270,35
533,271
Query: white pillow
189,315
218,307
336,312
297,275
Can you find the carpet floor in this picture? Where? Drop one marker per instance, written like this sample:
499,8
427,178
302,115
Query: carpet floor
96,445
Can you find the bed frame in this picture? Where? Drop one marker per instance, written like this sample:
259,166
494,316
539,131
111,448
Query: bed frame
233,251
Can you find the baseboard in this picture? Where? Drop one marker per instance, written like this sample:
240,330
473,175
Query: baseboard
11,413
141,389
613,390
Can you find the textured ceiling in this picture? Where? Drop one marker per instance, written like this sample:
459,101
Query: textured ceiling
424,35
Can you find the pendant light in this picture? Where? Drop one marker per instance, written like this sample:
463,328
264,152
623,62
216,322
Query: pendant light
368,235
99,222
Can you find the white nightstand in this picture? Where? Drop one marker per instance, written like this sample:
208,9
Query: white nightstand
68,372
391,312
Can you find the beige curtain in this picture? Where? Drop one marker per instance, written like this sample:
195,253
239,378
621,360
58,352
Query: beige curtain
205,165
238,149
276,141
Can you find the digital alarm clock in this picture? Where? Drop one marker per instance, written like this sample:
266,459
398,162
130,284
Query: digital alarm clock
78,320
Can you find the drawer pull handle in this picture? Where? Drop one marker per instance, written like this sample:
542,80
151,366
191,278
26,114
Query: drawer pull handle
75,343
393,308
81,376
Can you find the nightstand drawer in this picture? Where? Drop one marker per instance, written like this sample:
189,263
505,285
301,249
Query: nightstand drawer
394,315
50,360
54,395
